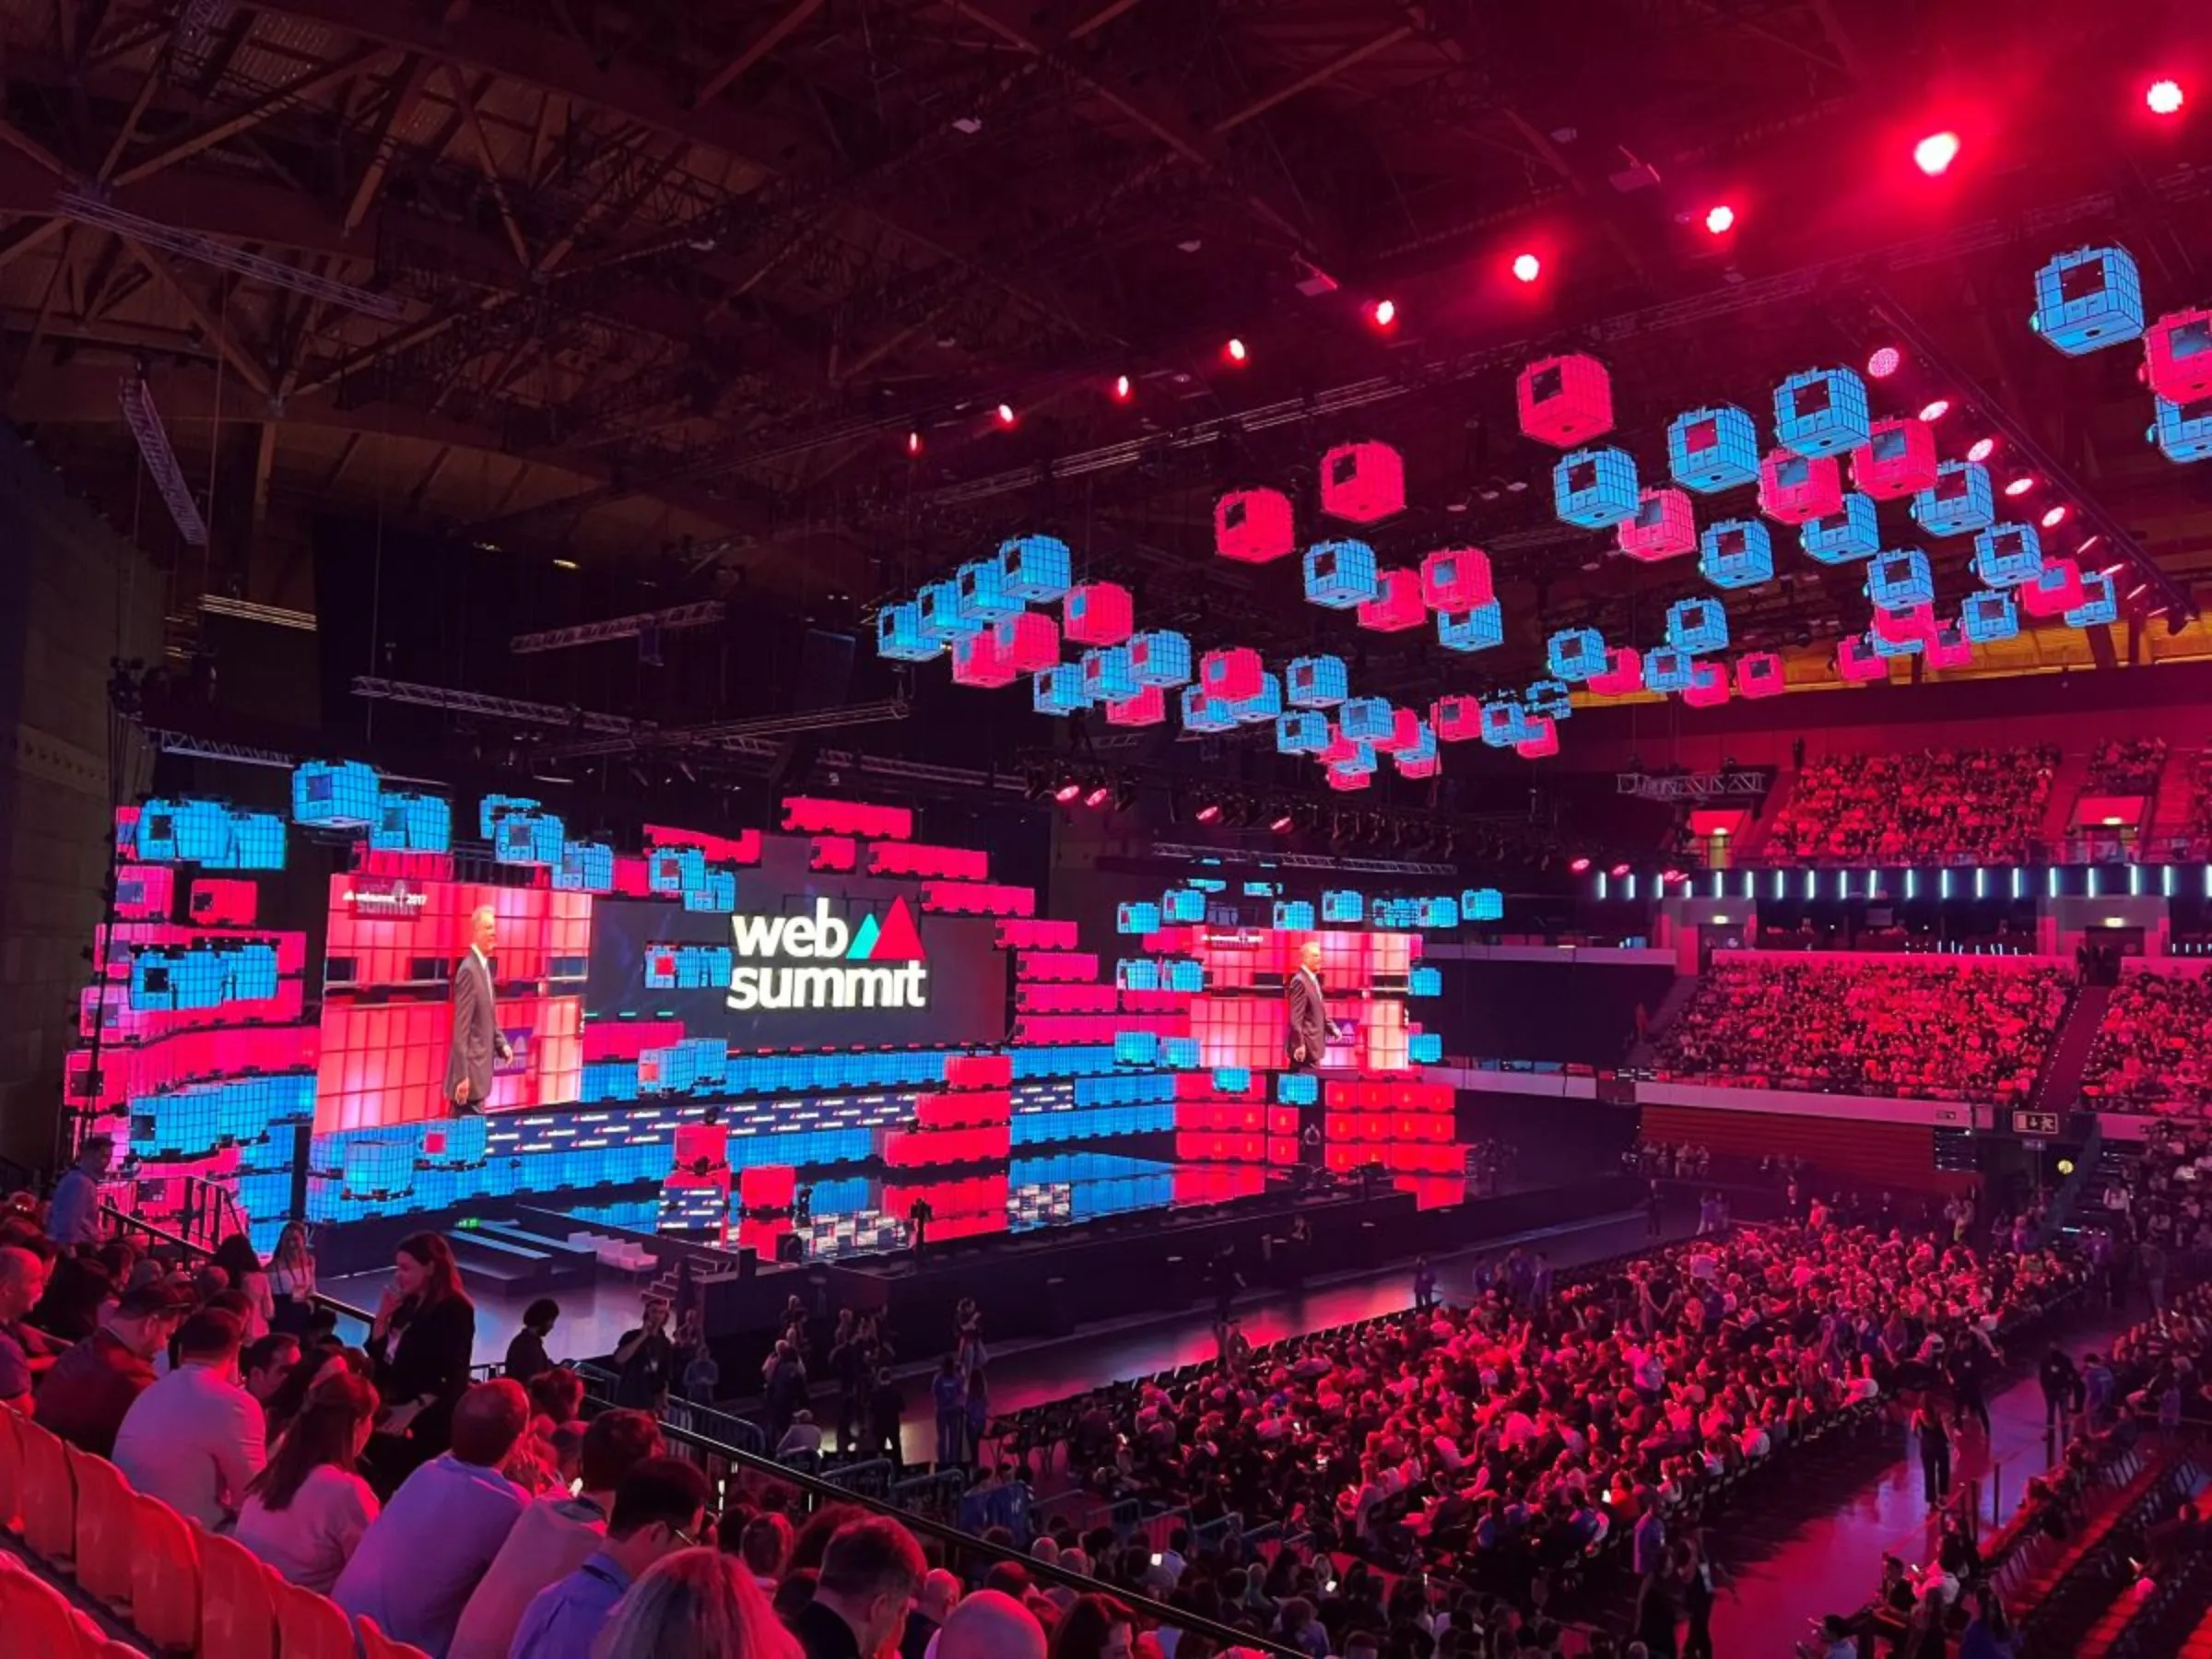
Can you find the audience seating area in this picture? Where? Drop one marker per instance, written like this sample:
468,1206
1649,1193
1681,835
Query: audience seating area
1916,1027
2200,797
2126,766
2152,1052
1956,806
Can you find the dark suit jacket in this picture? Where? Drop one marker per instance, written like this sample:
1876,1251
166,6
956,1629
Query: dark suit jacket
428,1351
1309,1023
476,1040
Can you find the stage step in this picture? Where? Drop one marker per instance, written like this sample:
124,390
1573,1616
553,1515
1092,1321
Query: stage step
516,1267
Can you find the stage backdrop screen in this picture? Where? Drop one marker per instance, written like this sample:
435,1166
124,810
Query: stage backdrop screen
806,961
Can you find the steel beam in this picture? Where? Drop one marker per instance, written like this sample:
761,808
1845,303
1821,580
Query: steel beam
701,614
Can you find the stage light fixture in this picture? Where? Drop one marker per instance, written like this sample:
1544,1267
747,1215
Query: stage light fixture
914,443
1934,154
1982,449
2165,98
1527,267
1099,795
1282,823
2019,486
1122,388
1885,361
1672,875
1237,350
1384,313
1068,792
1580,866
2055,517
1720,218
1209,814
1935,408
1620,870
564,564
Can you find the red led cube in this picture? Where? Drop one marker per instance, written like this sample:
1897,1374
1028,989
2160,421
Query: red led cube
1342,780
1404,732
1949,648
1900,627
1623,675
2057,590
1857,660
1708,688
1362,482
1664,526
1457,579
1148,707
1098,613
1565,401
1760,673
2177,356
1897,460
1456,719
978,660
1232,674
1029,642
1398,606
1544,743
1255,525
1793,488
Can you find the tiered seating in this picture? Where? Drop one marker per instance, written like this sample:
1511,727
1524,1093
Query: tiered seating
1960,807
2200,796
2150,1053
179,1588
2126,766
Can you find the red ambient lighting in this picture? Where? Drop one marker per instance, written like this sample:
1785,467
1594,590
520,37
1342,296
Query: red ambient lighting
1620,870
2165,98
1281,823
1122,388
1068,792
1237,351
2055,517
1935,410
1098,796
1527,267
1006,415
914,443
1386,313
1579,865
1934,154
1720,219
1210,813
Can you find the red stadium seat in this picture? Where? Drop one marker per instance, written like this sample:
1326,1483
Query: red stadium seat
375,1644
49,1497
104,1540
237,1600
36,1617
311,1626
11,1472
165,1578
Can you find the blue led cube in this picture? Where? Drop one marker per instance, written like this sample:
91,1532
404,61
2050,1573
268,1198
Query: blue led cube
2182,431
1304,733
1182,973
1159,657
1341,575
1899,578
1595,488
1298,1088
1315,682
1204,713
1139,916
1737,553
1439,910
1183,904
528,837
899,635
1059,690
1390,913
2100,603
1667,669
1821,412
1427,981
1425,1047
1136,1048
1476,630
492,808
941,615
585,867
2088,300
1845,536
1293,915
1137,973
1178,1053
1107,675
1423,746
1575,653
1988,616
1713,449
1342,904
1036,570
675,870
340,795
412,823
1550,697
1697,624
1265,704
983,593
1366,719
1961,501
1505,722
1902,646
2007,555
1482,904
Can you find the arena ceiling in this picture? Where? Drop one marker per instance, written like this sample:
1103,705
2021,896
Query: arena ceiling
585,279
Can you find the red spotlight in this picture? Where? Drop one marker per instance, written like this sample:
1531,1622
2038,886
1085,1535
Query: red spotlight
1578,865
1281,823
1006,415
1935,409
1886,362
1098,796
2165,98
1720,218
1236,350
1210,813
1527,267
1386,313
1934,154
914,443
1982,449
2020,485
1122,388
1068,792
1672,875
1620,870
2055,517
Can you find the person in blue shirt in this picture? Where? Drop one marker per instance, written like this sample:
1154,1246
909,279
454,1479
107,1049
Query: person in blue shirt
73,1218
1010,1504
949,1394
658,1509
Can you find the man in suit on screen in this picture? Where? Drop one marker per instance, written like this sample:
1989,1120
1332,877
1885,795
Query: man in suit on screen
477,1040
1309,1017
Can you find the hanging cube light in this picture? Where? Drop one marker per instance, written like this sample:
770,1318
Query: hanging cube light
978,660
1455,718
1623,674
2177,356
1482,904
2182,431
1365,719
1988,616
942,617
1794,488
1595,488
1340,575
1148,707
1362,483
1344,778
1910,643
1475,630
2007,555
1851,534
1949,648
1760,674
2088,300
1397,605
1263,705
1709,687
1899,578
1697,624
1505,723
2057,588
899,635
1565,401
1036,568
1350,754
1233,673
1403,732
1159,657
1667,669
1575,653
1897,460
1204,713
2099,601
1737,553
1821,412
1958,502
1542,742
1414,766
1059,690
1713,449
1107,674
1902,623
983,590
1305,732
1552,698
1098,613
1029,642
1254,526
1856,659
1664,526
1315,682
1457,579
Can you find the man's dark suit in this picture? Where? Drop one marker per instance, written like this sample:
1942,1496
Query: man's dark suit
477,1040
1309,1022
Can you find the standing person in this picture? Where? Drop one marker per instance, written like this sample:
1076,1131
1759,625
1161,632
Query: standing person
948,1395
849,1367
292,1281
73,1217
2153,1257
1700,1591
657,1510
237,1257
422,1341
1424,1284
1934,1452
887,1419
1306,1015
1967,1391
976,1410
477,1040
645,1359
2062,1388
783,1388
195,1439
1658,1609
526,1354
1655,1209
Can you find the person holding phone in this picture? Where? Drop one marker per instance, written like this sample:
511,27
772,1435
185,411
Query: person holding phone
645,1359
422,1340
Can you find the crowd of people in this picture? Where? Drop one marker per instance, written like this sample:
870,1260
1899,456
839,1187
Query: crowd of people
2150,1053
1979,805
2200,799
2126,766
1930,1029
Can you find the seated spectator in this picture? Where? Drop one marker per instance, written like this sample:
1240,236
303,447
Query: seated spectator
1938,806
2151,1053
556,1535
940,1594
870,1572
305,1513
696,1603
804,1436
990,1625
24,1354
195,1439
2126,766
77,1288
421,1558
263,1365
90,1389
764,1545
658,1509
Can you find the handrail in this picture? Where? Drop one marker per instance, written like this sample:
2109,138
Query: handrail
344,1310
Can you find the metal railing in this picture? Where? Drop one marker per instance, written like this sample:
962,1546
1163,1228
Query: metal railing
156,1233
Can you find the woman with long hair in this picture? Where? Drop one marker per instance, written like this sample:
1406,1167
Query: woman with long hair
306,1511
694,1603
324,1358
236,1256
422,1341
292,1281
1094,1626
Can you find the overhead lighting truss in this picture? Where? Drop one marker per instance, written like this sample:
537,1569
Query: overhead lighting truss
515,710
144,421
703,614
740,734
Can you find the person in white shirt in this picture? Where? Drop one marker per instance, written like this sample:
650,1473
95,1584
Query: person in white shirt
195,1439
304,1513
803,1435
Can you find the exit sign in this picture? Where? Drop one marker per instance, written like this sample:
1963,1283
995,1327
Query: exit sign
2042,1124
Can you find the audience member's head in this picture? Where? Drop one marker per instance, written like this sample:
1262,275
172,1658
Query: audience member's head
1095,1626
330,1431
144,1319
940,1593
266,1361
870,1573
22,1282
488,1420
764,1545
211,1338
540,1315
694,1603
424,1270
615,1443
659,1507
990,1625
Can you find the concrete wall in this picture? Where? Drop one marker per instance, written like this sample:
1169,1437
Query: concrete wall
73,596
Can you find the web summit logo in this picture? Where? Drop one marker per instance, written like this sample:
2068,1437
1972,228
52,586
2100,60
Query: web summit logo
876,965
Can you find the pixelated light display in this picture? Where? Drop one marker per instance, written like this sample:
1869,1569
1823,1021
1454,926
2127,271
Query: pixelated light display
941,613
1543,741
1856,659
1904,627
979,662
1989,617
1623,675
1737,553
1900,578
2182,431
1362,483
1565,401
984,591
2007,555
1844,537
2099,601
406,822
1107,675
1254,526
1708,686
1897,460
1760,674
1232,674
1148,707
2177,356
1712,450
1476,630
1159,657
1665,525
1595,488
900,638
1038,568
1456,719
2088,299
1696,626
334,795
1059,690
1793,487
1669,669
1821,412
1304,732
1340,575
1315,682
1958,502
1098,613
2057,588
1506,721
1397,605
1028,643
1575,653
1204,713
1457,579
208,833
